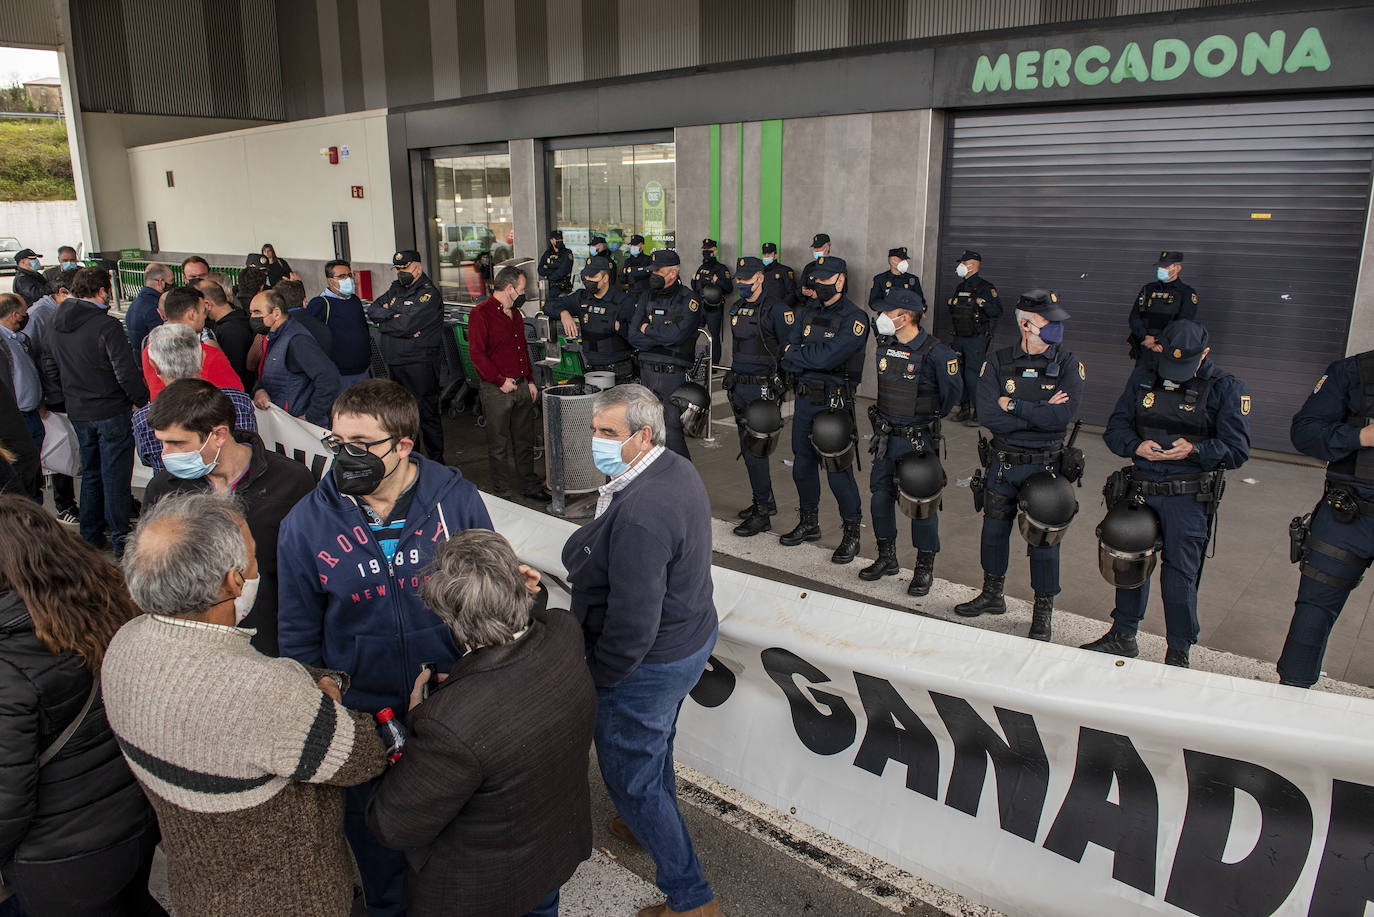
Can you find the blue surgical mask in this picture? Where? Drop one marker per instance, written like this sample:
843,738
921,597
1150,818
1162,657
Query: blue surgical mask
346,286
745,289
69,265
1163,274
37,265
816,256
606,456
768,259
636,249
189,465
1052,333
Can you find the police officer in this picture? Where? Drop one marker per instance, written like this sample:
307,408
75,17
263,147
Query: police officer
1157,304
410,317
779,280
820,248
973,312
599,315
1028,395
825,351
1336,424
896,277
1180,424
555,266
663,331
759,324
918,383
597,249
634,272
716,276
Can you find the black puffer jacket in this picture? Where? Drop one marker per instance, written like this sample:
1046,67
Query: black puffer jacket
31,285
85,799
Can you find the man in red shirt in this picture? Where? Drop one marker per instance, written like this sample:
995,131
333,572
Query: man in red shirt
186,306
496,344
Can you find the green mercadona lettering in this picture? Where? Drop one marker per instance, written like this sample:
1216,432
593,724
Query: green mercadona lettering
1167,59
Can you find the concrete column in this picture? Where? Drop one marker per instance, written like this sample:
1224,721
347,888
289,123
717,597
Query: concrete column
1361,337
76,139
529,203
693,180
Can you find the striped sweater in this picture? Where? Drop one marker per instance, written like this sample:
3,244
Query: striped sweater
244,760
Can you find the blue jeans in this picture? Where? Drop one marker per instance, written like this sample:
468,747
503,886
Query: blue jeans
37,434
546,908
636,722
107,468
382,869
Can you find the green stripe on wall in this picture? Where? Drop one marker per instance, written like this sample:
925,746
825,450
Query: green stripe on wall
770,182
714,159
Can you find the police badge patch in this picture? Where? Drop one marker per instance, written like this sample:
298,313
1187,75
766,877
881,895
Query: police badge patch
789,317
425,297
882,365
1245,404
859,329
1148,401
734,319
692,304
1011,386
953,367
1082,374
1320,383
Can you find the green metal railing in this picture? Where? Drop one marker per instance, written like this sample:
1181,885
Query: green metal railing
129,274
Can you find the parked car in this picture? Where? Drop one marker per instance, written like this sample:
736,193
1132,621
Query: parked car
8,246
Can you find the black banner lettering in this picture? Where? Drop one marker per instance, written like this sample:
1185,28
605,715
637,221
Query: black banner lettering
1345,881
1200,882
1021,768
715,685
896,733
822,733
1129,828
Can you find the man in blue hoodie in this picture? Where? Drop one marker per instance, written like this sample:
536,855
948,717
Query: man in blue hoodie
351,558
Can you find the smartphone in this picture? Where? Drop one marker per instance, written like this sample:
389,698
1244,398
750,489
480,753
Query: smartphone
433,669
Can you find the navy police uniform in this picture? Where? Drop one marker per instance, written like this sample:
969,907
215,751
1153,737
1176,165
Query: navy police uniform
663,330
597,248
634,271
918,383
973,312
1027,436
1340,534
604,322
825,351
759,324
779,280
410,318
818,241
1210,409
555,266
1156,305
712,271
888,281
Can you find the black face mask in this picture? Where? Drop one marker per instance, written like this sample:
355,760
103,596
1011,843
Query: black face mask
824,291
591,286
258,325
358,475
708,254
518,301
656,282
406,278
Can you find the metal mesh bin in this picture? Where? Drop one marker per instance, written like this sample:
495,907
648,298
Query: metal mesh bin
568,442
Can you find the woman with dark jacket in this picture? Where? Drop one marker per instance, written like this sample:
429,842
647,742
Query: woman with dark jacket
76,833
490,800
278,269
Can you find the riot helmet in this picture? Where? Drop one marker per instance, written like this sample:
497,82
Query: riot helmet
1047,507
833,436
762,424
1129,540
691,399
712,294
920,479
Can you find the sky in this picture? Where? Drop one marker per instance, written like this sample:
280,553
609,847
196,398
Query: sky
20,64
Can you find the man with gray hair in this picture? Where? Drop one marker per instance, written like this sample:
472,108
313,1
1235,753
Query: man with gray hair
175,352
142,315
503,754
243,757
641,575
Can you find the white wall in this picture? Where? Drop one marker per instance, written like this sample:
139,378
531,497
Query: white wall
234,191
42,225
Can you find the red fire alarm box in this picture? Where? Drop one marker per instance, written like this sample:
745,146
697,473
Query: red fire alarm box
364,279
333,156
357,191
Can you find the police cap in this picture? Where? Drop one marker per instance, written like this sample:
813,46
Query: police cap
636,239
666,257
769,248
556,234
1183,342
709,243
595,266
901,299
30,253
819,239
1168,258
828,266
748,267
404,256
597,240
897,252
1044,303
968,254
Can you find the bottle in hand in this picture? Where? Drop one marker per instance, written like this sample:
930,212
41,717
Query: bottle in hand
393,734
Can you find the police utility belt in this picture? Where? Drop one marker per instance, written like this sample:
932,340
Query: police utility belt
1346,507
1126,484
733,378
821,391
912,433
664,367
1012,455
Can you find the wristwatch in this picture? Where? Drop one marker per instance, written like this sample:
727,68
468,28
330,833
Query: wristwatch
1011,405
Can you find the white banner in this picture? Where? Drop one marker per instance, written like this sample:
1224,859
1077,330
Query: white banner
1035,778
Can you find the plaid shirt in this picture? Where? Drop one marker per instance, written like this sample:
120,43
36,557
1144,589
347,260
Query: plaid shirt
616,485
148,447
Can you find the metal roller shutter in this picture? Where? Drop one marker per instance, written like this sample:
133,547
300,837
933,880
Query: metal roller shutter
1082,200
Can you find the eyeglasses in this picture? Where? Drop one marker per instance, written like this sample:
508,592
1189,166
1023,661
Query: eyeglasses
343,276
335,445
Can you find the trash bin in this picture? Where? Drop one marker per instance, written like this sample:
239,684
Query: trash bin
568,443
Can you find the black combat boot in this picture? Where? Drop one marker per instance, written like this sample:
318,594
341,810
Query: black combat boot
885,565
989,601
971,419
1176,657
960,413
808,528
770,509
925,574
754,523
849,545
1116,643
1040,616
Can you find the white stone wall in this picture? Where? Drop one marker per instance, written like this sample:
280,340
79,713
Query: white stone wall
41,225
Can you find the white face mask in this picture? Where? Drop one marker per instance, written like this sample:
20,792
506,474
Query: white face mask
903,266
884,325
244,602
961,270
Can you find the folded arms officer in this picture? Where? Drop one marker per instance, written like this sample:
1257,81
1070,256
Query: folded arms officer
663,331
634,270
410,317
555,266
1159,302
779,280
599,315
973,312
